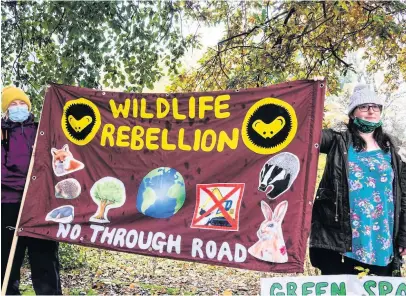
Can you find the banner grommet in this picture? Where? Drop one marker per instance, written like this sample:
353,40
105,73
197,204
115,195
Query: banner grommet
41,133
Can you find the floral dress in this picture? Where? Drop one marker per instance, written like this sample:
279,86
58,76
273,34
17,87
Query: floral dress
371,206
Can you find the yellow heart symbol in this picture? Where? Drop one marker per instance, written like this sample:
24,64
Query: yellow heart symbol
79,125
269,130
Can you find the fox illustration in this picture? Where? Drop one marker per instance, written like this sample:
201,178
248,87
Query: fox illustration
63,161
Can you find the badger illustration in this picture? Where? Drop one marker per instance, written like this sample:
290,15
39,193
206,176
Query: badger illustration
278,174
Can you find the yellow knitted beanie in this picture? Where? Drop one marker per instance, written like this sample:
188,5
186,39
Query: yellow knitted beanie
11,93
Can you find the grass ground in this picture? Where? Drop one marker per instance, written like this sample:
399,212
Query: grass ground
108,273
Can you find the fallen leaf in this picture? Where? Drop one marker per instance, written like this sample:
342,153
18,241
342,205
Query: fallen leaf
132,286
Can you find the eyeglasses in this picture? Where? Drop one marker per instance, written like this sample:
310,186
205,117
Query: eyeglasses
365,108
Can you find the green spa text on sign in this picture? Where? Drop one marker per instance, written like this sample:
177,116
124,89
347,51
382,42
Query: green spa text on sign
333,285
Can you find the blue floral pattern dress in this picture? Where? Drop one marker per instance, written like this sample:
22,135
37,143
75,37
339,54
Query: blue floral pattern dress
371,206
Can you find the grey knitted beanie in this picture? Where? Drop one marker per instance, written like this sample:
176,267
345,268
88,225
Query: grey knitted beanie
363,95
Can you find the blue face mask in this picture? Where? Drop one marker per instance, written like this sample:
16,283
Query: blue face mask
18,113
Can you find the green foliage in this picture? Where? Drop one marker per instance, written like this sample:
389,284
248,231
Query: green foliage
77,291
109,191
157,289
27,290
89,43
71,256
267,42
92,292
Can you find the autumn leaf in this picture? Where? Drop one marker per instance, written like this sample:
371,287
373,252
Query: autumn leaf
364,271
98,285
132,286
362,274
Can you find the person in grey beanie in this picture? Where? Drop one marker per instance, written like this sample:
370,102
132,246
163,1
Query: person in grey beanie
359,213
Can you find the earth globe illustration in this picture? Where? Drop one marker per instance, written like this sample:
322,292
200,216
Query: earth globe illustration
162,193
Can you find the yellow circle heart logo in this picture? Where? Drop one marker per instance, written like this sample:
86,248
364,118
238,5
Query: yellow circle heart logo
80,121
269,126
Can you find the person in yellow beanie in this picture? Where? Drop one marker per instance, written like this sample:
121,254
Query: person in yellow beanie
18,131
12,96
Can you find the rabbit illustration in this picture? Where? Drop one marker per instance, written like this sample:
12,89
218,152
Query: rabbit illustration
271,245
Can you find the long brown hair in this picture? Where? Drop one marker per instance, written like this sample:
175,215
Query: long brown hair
382,139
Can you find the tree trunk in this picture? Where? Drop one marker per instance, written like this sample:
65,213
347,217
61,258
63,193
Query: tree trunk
103,206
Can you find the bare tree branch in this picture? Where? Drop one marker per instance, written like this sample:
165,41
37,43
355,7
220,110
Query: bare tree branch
60,21
253,29
21,45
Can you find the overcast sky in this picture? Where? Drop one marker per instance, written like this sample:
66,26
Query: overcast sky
209,38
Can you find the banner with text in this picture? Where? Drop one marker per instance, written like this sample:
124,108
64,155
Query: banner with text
333,285
221,177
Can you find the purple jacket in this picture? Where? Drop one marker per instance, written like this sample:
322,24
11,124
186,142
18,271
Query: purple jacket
16,148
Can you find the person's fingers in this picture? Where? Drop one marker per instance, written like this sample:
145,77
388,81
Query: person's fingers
318,78
402,251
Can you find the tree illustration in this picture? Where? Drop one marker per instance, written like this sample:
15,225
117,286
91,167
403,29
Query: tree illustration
108,192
